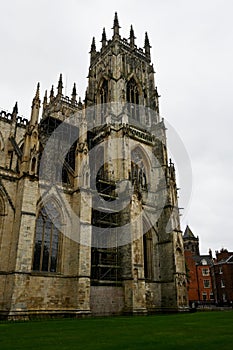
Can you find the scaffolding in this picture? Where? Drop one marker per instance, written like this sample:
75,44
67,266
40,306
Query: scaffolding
106,265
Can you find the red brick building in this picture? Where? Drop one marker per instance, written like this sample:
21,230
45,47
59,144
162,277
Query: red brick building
222,271
200,287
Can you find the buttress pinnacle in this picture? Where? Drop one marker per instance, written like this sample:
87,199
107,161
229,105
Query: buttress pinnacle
116,27
51,96
93,46
74,94
104,38
132,37
147,46
15,109
60,86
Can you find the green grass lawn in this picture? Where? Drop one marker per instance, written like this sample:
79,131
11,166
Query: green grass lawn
204,330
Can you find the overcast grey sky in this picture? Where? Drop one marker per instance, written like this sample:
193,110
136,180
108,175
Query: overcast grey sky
192,52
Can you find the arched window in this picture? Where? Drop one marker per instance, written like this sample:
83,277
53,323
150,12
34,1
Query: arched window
132,96
47,239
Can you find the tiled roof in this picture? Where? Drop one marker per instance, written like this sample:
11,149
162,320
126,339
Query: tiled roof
199,258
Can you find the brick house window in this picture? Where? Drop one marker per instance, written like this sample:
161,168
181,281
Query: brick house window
211,295
204,296
206,283
205,272
222,284
47,238
220,270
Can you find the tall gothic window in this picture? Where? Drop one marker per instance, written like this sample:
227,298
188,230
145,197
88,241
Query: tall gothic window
133,98
103,98
47,239
148,255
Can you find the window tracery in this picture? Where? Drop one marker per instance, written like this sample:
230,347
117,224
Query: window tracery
47,237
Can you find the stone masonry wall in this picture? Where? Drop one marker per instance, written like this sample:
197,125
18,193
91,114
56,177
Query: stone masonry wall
106,300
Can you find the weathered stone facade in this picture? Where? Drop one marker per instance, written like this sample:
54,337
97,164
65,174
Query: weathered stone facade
89,219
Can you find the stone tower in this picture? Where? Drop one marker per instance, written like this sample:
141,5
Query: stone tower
88,200
191,243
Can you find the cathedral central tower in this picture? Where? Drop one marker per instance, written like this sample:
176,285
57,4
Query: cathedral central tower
122,73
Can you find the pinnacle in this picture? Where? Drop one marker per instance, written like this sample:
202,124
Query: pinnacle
37,96
116,26
60,85
93,46
51,93
15,109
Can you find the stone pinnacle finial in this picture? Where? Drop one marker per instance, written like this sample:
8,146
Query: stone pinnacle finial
93,46
37,96
116,27
104,38
36,99
60,86
51,97
15,109
45,101
35,106
45,97
147,46
132,37
74,94
93,49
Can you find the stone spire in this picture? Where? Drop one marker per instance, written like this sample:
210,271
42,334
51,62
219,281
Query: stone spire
35,107
132,37
93,49
14,122
74,95
104,38
45,101
116,27
15,111
147,46
51,96
60,86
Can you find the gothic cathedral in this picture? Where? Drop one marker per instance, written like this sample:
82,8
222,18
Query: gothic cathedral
89,218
